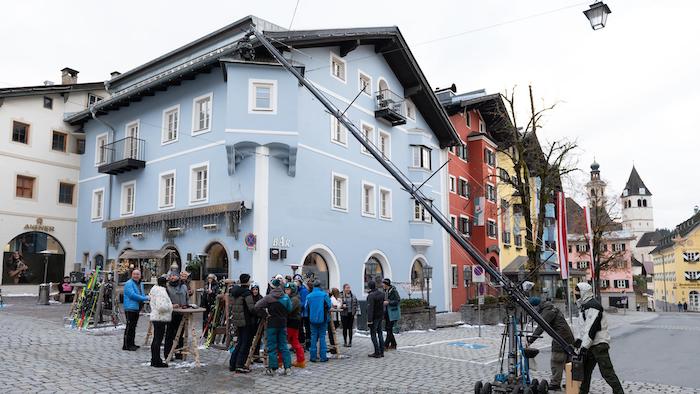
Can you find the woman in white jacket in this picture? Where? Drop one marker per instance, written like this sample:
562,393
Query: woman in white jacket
161,314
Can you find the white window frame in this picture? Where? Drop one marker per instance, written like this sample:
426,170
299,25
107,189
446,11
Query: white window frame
421,149
192,190
386,134
468,119
371,139
361,74
465,230
98,149
195,113
372,213
495,225
164,134
161,189
619,282
335,127
453,221
93,216
454,276
385,191
453,184
124,202
494,193
335,57
492,154
345,207
422,212
252,91
466,184
410,109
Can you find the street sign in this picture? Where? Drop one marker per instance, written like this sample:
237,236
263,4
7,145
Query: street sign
478,274
481,300
481,289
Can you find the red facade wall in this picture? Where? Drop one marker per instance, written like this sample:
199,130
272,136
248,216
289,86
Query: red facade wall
478,174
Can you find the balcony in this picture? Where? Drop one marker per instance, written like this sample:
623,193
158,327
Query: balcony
122,156
389,106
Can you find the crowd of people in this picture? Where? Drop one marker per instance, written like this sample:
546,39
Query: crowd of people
299,316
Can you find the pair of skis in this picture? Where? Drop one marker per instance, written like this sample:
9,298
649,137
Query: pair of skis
86,303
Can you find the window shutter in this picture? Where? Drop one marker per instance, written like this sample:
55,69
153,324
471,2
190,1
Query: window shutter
486,155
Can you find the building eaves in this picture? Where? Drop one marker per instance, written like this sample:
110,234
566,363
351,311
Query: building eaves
50,89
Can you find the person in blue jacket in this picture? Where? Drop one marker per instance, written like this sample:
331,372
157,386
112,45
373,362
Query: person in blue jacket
304,334
318,304
134,297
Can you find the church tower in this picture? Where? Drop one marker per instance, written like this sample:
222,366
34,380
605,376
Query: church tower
596,187
637,210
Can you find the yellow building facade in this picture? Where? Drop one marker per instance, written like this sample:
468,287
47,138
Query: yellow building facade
677,268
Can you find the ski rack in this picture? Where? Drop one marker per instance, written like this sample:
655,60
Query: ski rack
511,289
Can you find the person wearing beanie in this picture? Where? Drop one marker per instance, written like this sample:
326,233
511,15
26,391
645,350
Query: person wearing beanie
293,323
242,317
556,319
375,316
392,312
255,290
161,314
177,291
318,304
209,293
276,306
304,333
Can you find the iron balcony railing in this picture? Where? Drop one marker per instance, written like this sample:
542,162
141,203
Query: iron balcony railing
122,155
389,106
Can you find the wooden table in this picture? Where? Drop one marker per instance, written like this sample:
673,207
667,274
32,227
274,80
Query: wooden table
190,345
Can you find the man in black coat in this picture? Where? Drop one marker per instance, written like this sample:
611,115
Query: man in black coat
375,316
555,318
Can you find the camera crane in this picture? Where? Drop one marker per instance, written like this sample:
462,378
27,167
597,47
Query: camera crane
513,291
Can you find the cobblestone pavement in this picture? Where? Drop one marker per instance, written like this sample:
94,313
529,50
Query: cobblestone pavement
39,354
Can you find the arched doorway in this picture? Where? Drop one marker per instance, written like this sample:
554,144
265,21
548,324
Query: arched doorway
216,261
373,272
316,267
99,261
172,256
694,301
33,257
417,276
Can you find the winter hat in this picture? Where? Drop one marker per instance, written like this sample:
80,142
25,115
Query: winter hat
534,301
255,285
291,285
387,281
162,280
298,277
244,279
275,283
212,276
317,283
372,285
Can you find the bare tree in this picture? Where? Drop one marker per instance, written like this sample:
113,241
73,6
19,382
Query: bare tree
530,161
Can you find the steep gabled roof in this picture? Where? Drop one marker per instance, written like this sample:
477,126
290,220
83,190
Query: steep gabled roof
635,184
490,106
650,239
50,89
681,231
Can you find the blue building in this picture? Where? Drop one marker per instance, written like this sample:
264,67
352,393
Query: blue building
206,154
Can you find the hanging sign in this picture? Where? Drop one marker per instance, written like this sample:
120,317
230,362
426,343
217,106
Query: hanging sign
250,241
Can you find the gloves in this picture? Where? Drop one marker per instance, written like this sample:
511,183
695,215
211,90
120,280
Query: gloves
530,340
582,353
577,343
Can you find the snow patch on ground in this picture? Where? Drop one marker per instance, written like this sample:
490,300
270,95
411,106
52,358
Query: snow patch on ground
21,295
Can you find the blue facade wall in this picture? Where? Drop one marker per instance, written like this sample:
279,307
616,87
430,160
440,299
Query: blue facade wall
283,166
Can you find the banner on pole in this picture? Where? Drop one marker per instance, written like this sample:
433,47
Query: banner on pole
562,245
589,238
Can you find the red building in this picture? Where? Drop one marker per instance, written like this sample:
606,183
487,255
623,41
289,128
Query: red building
473,183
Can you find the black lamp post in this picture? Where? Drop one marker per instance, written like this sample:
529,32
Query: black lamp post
203,260
597,14
46,254
428,274
371,266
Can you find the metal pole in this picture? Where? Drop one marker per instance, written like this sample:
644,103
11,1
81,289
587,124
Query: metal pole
428,283
46,265
512,290
479,309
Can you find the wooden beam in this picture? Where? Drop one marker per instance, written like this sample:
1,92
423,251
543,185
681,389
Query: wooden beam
383,48
348,47
412,90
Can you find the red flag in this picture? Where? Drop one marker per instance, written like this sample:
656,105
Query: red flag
589,237
561,236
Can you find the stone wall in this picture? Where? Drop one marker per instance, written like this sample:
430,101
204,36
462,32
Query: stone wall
422,318
490,314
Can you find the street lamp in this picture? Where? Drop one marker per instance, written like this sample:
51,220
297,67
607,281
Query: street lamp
428,274
597,14
203,257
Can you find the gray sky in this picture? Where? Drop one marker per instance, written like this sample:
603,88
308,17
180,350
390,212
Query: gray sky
627,93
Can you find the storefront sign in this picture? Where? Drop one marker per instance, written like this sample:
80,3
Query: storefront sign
39,226
281,242
692,275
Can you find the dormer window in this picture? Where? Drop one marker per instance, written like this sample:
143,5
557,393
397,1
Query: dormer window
642,190
625,192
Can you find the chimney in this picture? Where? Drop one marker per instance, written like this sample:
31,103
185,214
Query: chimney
69,76
696,209
115,74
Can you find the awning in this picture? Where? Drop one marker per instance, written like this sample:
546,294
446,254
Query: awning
516,265
144,254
